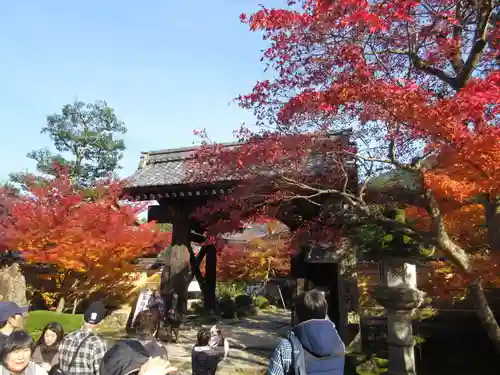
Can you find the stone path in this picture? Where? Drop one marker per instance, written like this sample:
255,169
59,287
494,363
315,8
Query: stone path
251,342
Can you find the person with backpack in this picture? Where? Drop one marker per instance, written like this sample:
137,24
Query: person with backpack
313,346
81,351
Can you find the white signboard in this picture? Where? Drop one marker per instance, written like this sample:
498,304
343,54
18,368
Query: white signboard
142,302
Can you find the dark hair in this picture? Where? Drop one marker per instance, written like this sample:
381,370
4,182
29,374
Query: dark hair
59,331
147,322
15,341
203,337
311,305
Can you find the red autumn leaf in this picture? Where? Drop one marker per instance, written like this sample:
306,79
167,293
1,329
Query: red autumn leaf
85,231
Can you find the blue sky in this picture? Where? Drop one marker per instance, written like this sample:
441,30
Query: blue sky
167,67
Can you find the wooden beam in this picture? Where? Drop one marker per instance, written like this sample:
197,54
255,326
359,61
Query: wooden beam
160,214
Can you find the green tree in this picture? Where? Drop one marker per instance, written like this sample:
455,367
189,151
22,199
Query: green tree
87,139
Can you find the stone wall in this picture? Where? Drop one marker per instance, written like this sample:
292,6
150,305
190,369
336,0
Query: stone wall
13,285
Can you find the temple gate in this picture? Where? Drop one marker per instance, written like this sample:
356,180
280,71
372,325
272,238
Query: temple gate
162,177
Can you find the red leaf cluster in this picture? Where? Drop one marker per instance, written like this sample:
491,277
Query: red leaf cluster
396,68
418,81
257,259
6,198
279,168
86,231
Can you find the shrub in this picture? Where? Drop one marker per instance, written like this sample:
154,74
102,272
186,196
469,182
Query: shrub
227,307
245,306
261,302
244,300
244,311
197,307
229,290
37,320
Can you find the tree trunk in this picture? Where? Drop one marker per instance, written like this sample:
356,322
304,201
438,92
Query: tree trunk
179,258
484,312
61,304
492,220
461,260
75,305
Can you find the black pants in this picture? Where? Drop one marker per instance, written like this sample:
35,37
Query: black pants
173,329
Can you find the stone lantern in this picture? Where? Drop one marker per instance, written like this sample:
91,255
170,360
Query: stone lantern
398,294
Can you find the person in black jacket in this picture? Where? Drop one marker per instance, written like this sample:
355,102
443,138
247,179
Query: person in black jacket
204,357
146,325
129,357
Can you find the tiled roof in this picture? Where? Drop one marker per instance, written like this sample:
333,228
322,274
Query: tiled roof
168,168
164,168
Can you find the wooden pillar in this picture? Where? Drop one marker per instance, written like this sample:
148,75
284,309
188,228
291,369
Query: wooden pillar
297,289
177,260
210,278
348,296
334,302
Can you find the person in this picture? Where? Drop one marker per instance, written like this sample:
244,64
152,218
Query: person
146,325
89,347
174,316
16,353
204,357
217,340
11,318
313,346
46,353
130,357
156,302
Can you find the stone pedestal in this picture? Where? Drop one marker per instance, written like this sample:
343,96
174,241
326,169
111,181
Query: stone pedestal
399,296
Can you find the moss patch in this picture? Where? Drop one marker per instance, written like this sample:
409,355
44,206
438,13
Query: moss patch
37,320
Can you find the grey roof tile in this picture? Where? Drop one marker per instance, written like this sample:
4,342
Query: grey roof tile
164,168
168,173
169,167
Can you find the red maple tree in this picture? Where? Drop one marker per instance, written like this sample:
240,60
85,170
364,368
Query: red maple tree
258,259
418,83
87,235
7,196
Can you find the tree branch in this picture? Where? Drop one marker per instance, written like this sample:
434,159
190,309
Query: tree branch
456,59
477,49
455,253
363,210
427,68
